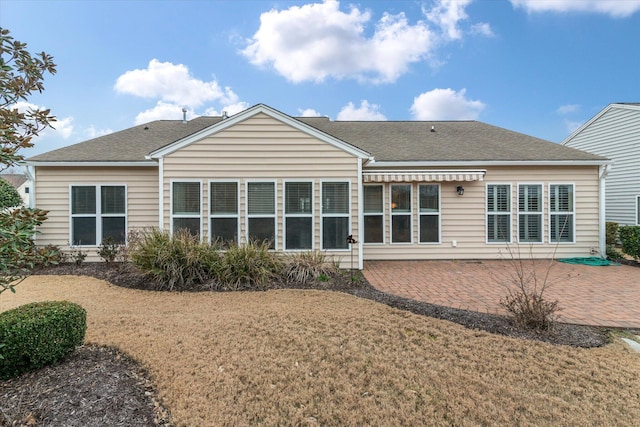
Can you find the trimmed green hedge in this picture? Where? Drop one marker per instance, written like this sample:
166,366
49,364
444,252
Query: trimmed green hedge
630,237
39,334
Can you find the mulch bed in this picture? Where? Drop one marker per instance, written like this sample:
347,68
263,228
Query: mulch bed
98,386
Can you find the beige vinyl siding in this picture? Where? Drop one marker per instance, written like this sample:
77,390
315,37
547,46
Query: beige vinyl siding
616,135
263,149
463,218
52,193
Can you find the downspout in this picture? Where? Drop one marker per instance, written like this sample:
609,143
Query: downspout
31,175
161,193
360,217
603,172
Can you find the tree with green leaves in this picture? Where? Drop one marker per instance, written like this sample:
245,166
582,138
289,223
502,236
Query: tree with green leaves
21,74
9,196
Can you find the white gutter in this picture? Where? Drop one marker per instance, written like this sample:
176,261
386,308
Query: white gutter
92,164
604,171
458,163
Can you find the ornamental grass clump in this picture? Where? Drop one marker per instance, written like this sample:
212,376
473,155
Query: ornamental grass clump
251,266
309,267
39,334
175,262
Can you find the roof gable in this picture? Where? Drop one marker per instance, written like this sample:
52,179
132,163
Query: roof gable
634,106
253,111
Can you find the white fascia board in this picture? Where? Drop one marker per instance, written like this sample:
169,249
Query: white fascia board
596,117
479,163
260,108
94,164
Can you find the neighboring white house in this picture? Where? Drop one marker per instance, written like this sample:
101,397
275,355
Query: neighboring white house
403,190
615,133
21,183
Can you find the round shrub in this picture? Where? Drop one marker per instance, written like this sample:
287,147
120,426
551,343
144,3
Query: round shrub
39,334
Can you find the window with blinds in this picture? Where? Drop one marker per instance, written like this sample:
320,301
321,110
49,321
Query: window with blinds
373,214
224,213
401,213
335,215
186,206
561,213
298,215
498,213
429,211
261,212
98,213
530,213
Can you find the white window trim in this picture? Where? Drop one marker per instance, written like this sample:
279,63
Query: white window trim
381,213
285,216
487,213
323,215
541,213
410,213
98,215
438,214
172,216
275,208
573,231
212,216
638,209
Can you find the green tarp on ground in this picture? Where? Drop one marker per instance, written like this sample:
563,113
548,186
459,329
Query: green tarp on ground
593,260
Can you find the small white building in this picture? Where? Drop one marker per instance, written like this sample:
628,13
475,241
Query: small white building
615,133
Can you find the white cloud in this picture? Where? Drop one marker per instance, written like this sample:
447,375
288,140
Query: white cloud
163,111
445,104
174,84
446,14
317,41
572,125
615,8
308,112
366,111
91,132
229,109
482,29
568,109
62,127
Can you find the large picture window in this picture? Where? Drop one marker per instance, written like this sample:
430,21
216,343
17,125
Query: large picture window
373,214
224,221
186,207
261,212
498,213
298,215
98,213
401,213
335,215
429,213
561,213
530,213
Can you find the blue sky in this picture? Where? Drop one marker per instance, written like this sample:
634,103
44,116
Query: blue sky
540,67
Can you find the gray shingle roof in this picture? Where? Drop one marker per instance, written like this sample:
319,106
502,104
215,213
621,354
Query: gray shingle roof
386,140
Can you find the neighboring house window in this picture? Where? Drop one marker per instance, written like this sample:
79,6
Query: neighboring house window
261,212
530,213
335,215
373,214
298,215
638,210
429,213
186,207
98,212
498,213
561,213
224,219
401,213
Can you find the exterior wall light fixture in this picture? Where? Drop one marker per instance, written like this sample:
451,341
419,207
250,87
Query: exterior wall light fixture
460,190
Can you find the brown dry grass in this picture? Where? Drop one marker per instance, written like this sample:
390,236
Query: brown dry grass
290,357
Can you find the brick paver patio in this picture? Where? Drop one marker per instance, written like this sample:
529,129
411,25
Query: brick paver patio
587,295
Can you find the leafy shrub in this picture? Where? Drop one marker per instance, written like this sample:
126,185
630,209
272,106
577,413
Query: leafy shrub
309,267
614,254
178,262
50,255
9,196
39,334
249,266
630,236
77,256
611,233
109,250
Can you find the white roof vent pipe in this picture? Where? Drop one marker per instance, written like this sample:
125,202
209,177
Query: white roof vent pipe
184,115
